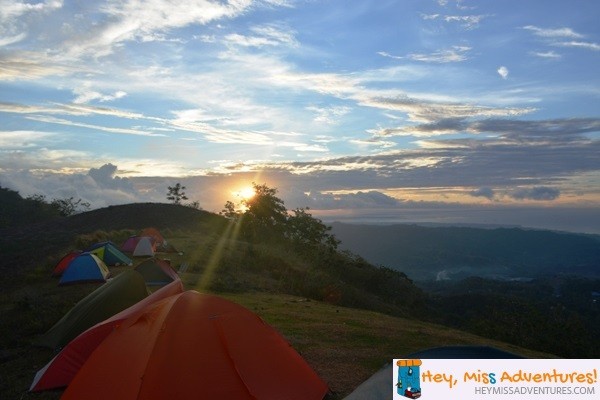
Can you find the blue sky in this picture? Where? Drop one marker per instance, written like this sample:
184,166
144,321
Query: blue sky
430,110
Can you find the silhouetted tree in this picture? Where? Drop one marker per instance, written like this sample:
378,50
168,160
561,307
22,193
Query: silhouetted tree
176,193
266,214
304,229
230,211
69,206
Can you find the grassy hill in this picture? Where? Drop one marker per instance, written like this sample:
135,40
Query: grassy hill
344,315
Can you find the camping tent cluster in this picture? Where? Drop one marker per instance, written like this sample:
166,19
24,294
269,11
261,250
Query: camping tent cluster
91,264
124,341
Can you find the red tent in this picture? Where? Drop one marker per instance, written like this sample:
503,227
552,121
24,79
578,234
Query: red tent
64,262
195,346
61,369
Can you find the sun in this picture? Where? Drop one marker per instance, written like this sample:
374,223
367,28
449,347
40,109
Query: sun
245,193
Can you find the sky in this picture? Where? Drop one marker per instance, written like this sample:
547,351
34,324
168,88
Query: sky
371,111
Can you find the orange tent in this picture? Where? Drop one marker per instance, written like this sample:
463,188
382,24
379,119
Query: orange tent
195,346
154,233
61,369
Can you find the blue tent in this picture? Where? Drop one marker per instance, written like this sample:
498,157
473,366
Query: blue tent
86,267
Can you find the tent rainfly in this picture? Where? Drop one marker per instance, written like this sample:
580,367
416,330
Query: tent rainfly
61,369
122,291
155,234
64,262
194,345
85,267
144,247
110,254
156,271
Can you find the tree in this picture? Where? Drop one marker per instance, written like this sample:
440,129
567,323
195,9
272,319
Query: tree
176,193
266,214
70,206
304,229
230,211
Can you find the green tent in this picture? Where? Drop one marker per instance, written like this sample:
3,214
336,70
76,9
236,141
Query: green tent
112,297
110,254
156,271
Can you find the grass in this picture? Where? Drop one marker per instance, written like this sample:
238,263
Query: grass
343,345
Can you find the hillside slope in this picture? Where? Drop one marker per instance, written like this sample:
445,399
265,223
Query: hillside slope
28,246
344,315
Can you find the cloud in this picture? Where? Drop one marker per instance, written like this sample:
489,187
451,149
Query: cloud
582,45
335,201
486,192
329,115
77,185
503,72
560,37
546,54
453,54
432,112
540,193
553,33
465,21
23,139
66,122
85,95
264,35
105,177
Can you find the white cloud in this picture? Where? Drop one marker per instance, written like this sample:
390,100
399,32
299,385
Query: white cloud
503,72
453,54
142,20
328,115
583,45
85,95
22,139
62,121
7,40
546,54
553,33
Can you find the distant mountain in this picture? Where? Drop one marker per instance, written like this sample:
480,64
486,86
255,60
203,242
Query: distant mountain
441,253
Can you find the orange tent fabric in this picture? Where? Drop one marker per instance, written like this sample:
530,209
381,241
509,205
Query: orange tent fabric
195,346
59,372
154,233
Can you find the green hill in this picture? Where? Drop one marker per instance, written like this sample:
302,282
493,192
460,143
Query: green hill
344,315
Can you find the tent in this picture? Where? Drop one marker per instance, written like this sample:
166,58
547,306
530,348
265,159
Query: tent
122,291
130,243
110,254
155,234
156,271
85,267
61,369
194,345
144,247
64,262
379,385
